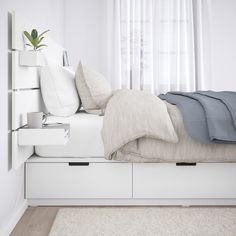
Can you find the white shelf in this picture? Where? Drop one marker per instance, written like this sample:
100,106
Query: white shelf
31,58
54,134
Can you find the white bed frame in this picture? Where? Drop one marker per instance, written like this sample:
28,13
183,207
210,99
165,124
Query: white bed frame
96,181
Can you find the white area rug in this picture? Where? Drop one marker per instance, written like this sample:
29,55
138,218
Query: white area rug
142,221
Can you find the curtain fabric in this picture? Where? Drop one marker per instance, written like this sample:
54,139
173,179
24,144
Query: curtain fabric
152,45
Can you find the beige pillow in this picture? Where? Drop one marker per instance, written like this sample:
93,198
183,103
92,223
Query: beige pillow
94,90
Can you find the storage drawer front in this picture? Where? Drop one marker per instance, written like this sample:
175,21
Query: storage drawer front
97,180
206,180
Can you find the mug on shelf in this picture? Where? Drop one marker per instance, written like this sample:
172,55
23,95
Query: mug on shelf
36,119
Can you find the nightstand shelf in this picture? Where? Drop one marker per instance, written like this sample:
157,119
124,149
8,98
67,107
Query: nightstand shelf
52,134
31,58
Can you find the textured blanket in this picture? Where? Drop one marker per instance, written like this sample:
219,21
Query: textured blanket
136,128
208,116
132,116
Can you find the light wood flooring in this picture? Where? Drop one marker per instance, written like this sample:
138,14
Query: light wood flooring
36,221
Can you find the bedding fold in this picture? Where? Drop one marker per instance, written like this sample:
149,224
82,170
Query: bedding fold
226,97
134,115
208,116
139,127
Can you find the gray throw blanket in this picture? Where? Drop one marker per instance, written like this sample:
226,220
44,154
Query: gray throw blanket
208,116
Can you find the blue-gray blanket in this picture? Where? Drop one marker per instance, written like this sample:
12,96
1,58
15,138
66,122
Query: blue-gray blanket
208,116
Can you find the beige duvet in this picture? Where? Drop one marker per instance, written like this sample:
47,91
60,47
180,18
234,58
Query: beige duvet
139,127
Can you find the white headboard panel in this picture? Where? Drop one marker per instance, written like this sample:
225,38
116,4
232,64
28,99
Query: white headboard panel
53,51
19,25
23,77
23,102
26,95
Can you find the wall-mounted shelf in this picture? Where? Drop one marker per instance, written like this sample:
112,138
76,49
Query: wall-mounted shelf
31,58
53,134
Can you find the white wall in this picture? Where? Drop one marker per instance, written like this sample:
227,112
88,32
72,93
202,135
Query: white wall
85,33
47,15
223,44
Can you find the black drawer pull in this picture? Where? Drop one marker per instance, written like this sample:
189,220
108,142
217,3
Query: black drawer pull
78,163
185,164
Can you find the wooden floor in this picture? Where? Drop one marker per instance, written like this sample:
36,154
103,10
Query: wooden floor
36,221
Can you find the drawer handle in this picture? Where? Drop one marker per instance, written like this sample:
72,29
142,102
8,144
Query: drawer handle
185,164
78,163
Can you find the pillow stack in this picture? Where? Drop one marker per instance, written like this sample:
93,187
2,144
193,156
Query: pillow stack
59,87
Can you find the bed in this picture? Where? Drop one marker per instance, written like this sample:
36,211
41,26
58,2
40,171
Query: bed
86,142
83,176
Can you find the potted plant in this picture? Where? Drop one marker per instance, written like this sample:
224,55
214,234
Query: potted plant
33,57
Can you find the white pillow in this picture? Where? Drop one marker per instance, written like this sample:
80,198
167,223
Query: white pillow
58,90
94,89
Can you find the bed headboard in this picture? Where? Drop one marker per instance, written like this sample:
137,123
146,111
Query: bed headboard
26,95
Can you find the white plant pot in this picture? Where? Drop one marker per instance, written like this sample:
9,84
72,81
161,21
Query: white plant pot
31,58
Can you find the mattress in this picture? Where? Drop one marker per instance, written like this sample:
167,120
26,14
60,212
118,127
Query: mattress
85,137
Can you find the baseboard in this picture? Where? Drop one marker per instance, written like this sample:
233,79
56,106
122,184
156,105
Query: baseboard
14,219
134,202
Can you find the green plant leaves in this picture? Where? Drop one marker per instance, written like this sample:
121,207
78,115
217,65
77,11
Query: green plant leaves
35,39
28,36
43,33
40,40
41,45
34,34
28,45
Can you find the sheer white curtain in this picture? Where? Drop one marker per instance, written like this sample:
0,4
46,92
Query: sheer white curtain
202,43
151,45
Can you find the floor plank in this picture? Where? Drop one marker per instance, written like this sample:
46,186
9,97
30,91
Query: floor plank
36,221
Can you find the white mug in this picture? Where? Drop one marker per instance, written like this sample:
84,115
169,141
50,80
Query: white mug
36,119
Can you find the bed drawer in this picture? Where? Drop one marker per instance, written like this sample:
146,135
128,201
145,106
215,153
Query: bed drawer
206,180
61,180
